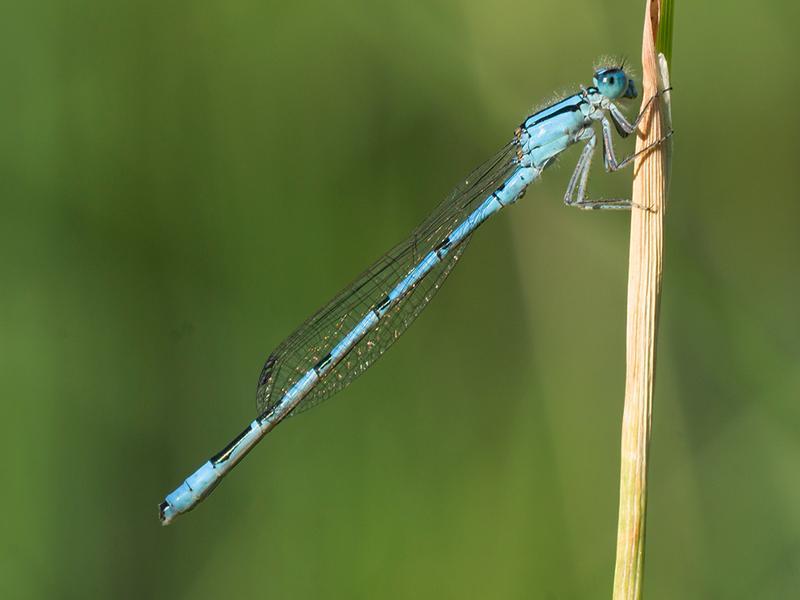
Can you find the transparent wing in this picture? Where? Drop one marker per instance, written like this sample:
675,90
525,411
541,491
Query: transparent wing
315,338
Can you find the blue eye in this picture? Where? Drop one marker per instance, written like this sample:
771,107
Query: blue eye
613,84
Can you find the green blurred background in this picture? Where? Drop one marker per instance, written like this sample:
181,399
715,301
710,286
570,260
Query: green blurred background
183,183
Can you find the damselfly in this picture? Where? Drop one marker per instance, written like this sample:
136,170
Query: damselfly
345,337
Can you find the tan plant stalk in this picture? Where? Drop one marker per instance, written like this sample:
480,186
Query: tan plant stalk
644,290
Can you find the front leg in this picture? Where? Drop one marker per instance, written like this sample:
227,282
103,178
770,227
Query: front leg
610,159
624,128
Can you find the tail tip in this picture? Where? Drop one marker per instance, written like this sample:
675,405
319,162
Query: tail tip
166,513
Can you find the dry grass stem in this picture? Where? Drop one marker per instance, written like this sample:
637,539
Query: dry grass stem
644,290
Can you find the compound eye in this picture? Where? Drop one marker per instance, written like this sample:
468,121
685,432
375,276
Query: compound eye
611,82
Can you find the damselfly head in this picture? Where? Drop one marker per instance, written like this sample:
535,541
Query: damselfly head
613,83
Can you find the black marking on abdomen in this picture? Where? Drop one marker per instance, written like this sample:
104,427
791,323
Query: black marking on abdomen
225,453
443,245
380,306
323,363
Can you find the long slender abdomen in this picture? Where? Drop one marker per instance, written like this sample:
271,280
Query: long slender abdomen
198,485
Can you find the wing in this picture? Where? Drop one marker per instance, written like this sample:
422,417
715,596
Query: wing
315,338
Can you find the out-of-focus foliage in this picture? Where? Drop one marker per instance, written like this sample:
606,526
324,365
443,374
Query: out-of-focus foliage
182,183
